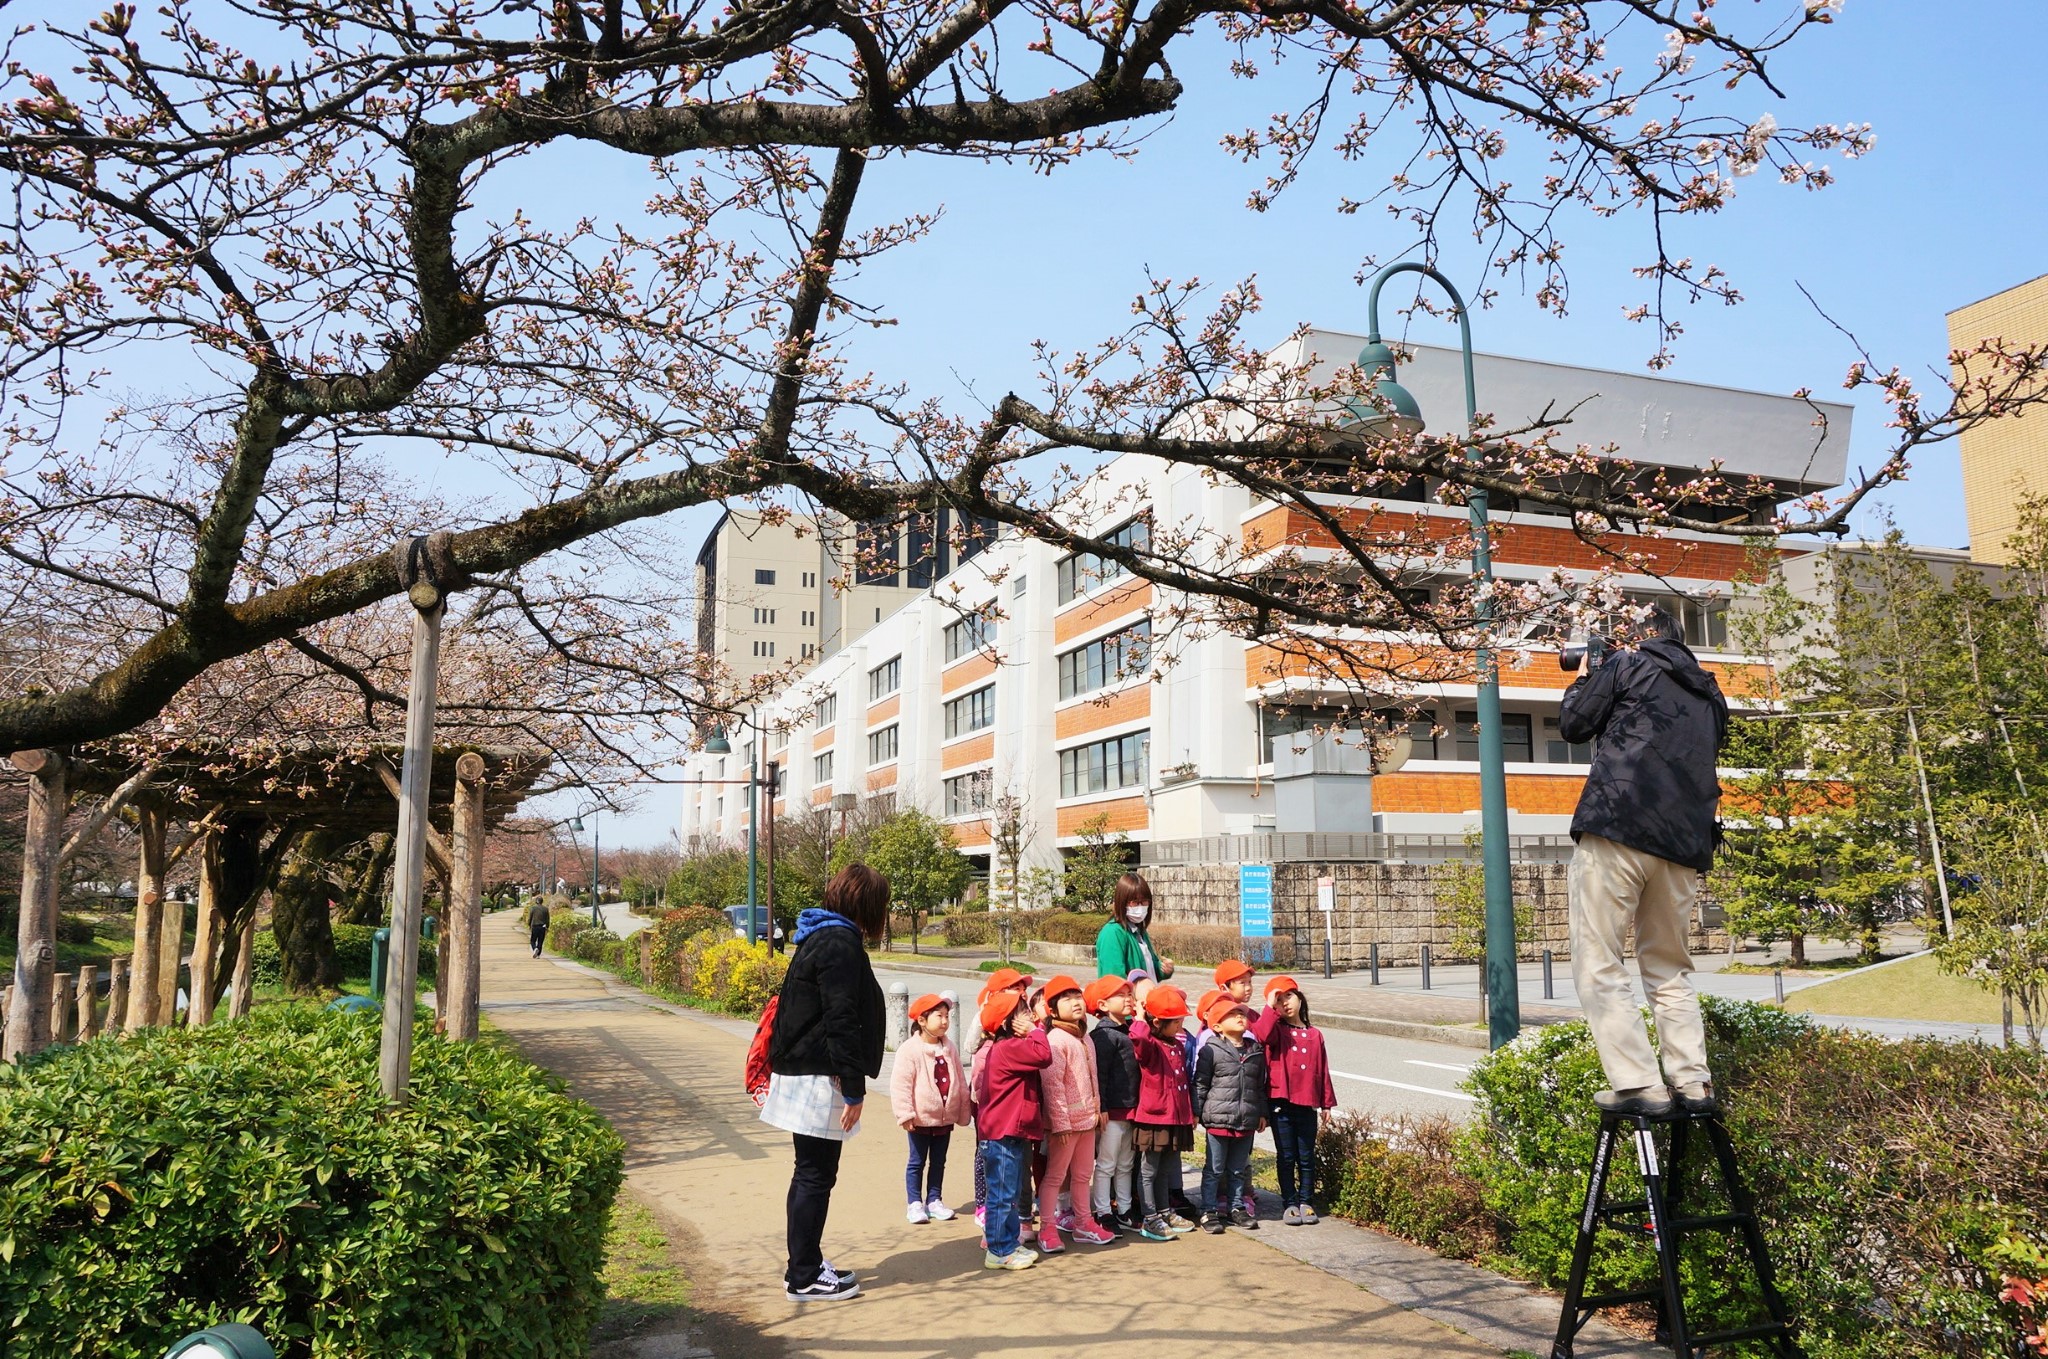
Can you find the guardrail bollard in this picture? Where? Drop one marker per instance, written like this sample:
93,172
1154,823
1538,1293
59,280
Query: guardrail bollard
1549,982
898,1027
952,999
1375,964
1778,983
380,960
1425,967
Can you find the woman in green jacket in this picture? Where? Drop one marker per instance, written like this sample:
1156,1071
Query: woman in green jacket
1124,947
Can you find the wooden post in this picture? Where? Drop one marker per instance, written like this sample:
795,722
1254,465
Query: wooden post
206,932
117,995
241,983
61,1001
88,1001
35,949
145,967
170,952
394,1065
463,956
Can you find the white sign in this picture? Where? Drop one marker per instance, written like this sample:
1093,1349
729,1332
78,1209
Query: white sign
1326,894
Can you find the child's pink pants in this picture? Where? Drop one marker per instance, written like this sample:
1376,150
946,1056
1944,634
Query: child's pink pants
1069,1167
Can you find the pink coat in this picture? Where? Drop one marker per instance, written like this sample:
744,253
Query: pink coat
1072,1098
914,1088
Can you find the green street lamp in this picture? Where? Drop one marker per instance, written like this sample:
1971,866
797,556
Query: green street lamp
1398,415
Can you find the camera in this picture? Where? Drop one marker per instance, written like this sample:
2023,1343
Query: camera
1590,653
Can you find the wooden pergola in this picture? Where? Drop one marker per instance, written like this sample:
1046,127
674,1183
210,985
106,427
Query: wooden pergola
242,808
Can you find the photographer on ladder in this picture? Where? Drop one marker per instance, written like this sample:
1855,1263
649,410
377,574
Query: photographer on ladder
1646,831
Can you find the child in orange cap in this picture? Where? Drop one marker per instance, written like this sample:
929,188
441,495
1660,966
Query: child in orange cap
928,1091
1163,1124
1116,1075
1010,1115
1234,978
1003,979
1230,1102
1073,1113
1298,1081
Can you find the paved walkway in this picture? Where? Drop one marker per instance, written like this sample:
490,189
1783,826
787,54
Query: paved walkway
698,1154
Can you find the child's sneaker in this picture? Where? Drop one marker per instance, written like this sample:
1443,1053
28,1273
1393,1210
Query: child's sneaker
1049,1243
1240,1218
1098,1235
1064,1220
1212,1224
917,1212
937,1211
1019,1258
829,1288
1251,1203
981,1215
1154,1228
1176,1222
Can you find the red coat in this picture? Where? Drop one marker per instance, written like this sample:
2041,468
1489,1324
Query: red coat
1162,1080
1297,1064
1006,1070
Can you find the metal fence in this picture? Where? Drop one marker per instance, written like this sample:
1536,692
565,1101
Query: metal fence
1346,847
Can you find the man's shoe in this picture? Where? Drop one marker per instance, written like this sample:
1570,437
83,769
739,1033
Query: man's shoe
826,1267
1308,1216
1240,1218
1698,1100
1212,1224
829,1288
1290,1216
1652,1101
1155,1229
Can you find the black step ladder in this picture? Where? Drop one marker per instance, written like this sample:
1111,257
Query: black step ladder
1666,1226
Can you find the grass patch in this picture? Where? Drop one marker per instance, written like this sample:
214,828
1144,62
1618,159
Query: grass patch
1844,964
1915,989
997,964
644,1289
111,936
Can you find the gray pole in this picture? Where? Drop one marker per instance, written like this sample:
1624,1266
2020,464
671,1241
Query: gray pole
596,918
394,1063
753,847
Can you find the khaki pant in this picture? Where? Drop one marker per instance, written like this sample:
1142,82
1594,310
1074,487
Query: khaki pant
1612,886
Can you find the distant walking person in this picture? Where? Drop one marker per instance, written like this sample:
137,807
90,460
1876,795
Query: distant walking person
537,923
1646,832
825,1046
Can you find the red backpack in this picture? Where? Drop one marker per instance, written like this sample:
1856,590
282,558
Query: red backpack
757,1054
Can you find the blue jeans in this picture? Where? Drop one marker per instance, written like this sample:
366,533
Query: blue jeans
1227,1173
1004,1161
925,1177
1294,1137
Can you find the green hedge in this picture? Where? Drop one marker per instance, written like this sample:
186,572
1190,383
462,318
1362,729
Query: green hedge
351,952
252,1171
1896,1180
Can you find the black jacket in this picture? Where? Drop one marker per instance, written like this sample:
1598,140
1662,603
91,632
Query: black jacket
1660,721
830,1019
1230,1084
1116,1065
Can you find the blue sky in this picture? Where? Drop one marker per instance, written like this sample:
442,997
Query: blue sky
1946,210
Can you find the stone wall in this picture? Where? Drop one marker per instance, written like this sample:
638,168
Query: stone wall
1394,905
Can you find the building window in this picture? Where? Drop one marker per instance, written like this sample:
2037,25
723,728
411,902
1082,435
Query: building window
967,793
821,768
969,635
1703,621
1514,737
973,533
764,615
1422,733
882,745
1560,751
810,579
1119,762
763,577
1018,586
874,548
921,558
885,679
810,650
1106,660
1084,571
810,617
765,649
827,711
971,712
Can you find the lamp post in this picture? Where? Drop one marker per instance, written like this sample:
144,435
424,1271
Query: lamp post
1402,416
720,745
596,916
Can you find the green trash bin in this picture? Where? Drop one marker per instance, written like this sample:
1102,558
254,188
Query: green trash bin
380,960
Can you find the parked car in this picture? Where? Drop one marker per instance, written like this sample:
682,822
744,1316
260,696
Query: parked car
738,916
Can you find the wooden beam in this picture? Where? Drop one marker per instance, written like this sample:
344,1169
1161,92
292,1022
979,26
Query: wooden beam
35,949
170,952
394,1051
438,852
146,964
88,1001
458,987
243,982
117,994
206,936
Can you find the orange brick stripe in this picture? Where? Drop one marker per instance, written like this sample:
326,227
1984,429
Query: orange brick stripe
885,710
971,834
973,750
821,795
966,671
1123,814
1370,661
1132,597
823,740
1529,794
1127,706
878,779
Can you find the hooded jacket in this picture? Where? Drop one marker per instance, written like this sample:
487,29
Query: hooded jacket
1071,1101
1230,1084
1162,1080
1116,1067
831,1018
1012,1103
1659,720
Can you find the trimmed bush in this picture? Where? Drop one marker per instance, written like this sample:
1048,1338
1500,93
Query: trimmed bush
153,1185
674,930
734,977
979,929
1401,1175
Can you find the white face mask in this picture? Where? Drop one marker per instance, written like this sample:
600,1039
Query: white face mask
1137,913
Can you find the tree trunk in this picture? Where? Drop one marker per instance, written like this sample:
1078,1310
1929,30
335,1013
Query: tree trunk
206,932
117,996
145,967
35,947
244,977
170,953
245,868
364,904
300,916
88,1001
456,985
1799,950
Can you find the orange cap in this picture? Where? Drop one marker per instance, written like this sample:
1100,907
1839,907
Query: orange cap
1230,970
1220,1008
1208,999
1059,986
1101,989
1279,984
923,1006
997,1012
1167,1002
1002,979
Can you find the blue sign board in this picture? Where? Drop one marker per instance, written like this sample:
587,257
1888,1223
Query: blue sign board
1255,901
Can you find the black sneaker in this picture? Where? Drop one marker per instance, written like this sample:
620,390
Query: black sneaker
1240,1218
1698,1100
828,1288
1212,1224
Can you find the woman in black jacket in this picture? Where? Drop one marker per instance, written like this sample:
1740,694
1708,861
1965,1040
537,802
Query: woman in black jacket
824,1048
